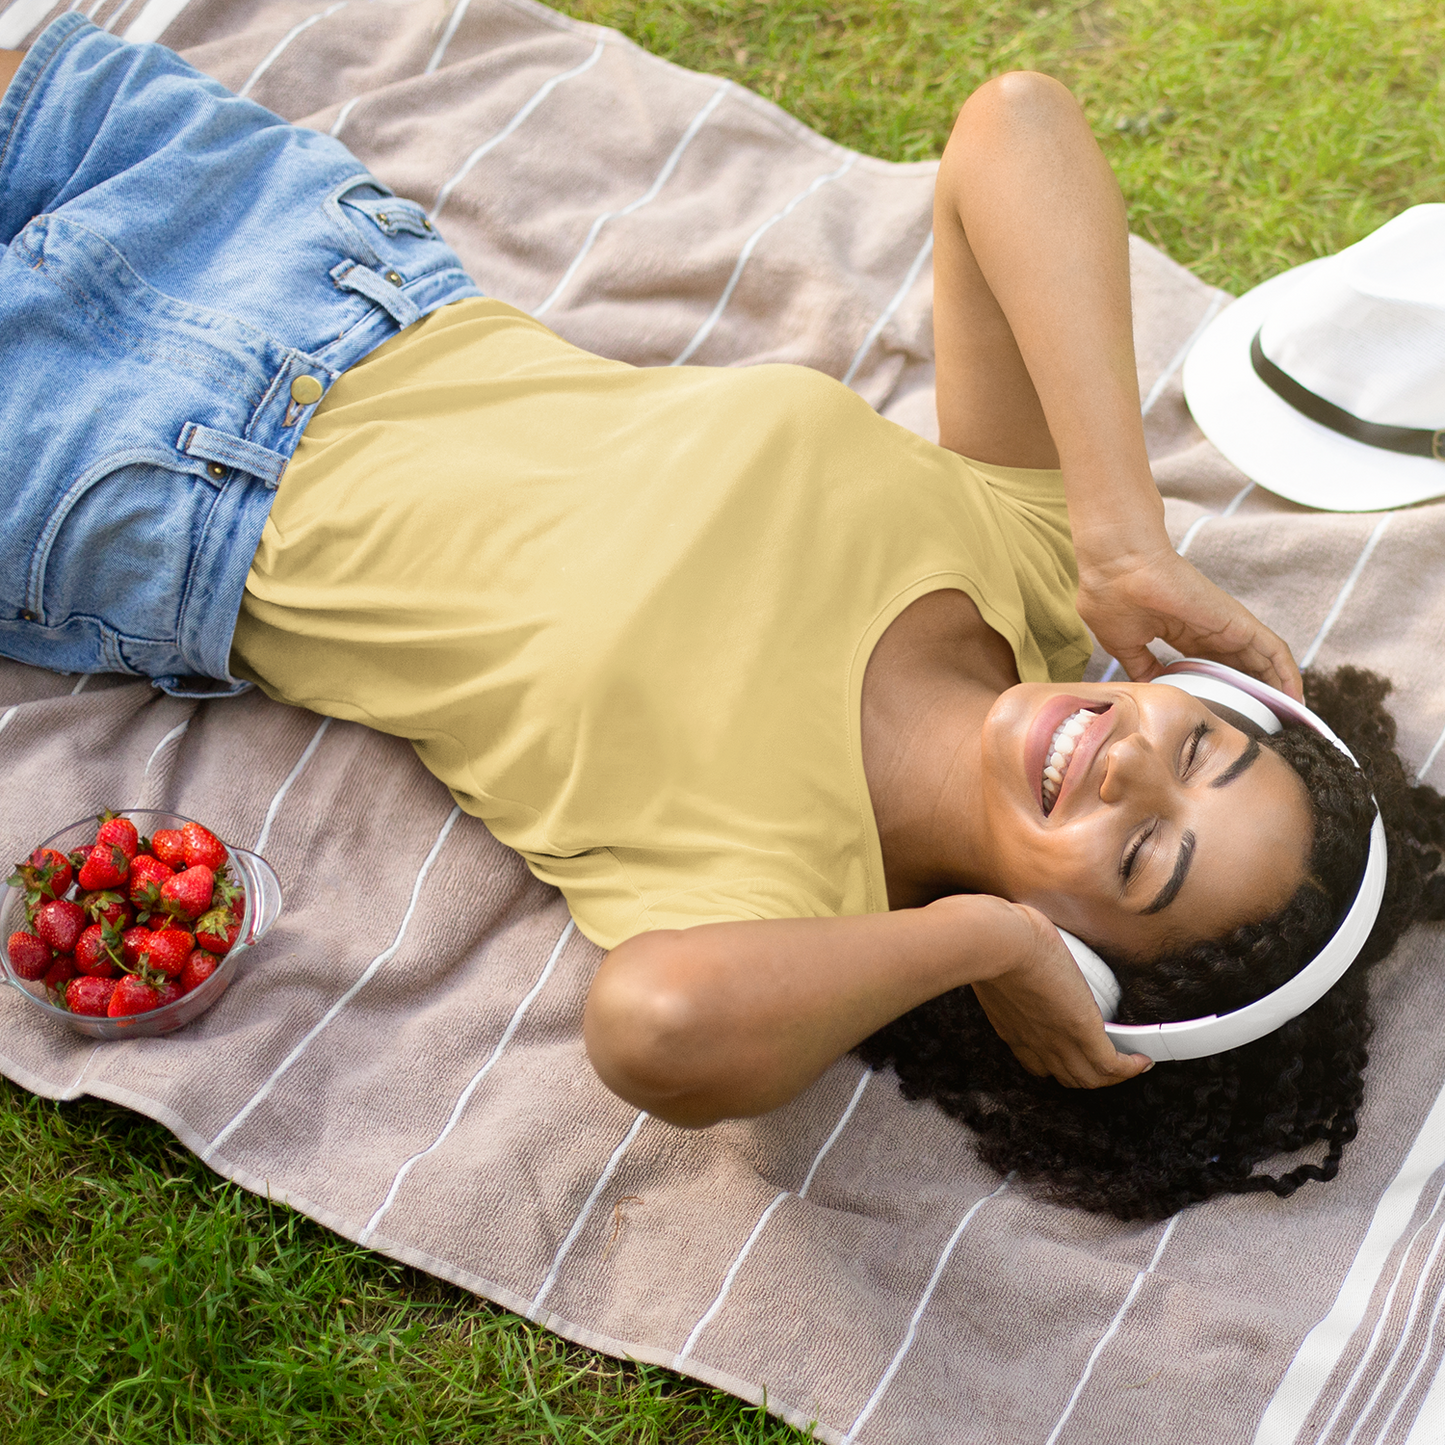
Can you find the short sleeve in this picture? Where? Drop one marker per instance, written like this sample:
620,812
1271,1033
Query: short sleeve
1036,515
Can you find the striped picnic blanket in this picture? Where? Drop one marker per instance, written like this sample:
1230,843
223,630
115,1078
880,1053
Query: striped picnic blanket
406,1065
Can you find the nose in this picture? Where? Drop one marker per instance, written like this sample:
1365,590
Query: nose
1134,769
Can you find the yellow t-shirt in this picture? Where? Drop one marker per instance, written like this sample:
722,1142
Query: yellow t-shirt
623,613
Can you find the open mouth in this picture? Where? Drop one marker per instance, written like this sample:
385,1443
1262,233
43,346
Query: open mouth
1060,753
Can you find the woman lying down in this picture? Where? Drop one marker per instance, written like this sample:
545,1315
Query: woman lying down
783,698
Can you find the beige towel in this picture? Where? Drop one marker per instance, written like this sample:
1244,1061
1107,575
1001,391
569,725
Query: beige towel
406,1064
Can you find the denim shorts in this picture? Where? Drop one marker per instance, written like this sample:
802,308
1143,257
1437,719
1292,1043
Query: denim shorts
184,275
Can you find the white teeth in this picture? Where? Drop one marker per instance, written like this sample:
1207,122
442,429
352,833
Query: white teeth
1061,751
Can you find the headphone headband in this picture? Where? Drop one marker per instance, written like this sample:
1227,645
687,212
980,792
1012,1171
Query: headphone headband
1269,709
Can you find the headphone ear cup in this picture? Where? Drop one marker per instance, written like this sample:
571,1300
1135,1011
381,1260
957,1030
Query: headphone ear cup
1097,974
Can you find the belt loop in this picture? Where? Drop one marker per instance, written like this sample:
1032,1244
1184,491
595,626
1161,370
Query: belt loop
223,451
384,290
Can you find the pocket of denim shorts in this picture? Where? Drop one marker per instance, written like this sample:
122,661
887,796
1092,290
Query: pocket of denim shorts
125,546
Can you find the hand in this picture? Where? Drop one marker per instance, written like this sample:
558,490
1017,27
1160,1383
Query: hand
1043,1010
1130,601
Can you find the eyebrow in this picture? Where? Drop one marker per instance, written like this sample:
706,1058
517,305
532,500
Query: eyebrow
1170,890
1241,764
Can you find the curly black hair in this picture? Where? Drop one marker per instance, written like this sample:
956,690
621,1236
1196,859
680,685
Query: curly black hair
1189,1130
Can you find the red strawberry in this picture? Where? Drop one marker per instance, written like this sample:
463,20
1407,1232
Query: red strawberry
99,951
169,846
188,894
134,943
119,831
46,874
169,950
59,923
105,866
169,992
60,972
199,967
107,907
216,931
131,996
203,848
146,877
89,995
30,956
60,878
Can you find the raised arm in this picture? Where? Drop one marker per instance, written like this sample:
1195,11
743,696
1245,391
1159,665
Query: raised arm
728,1019
1035,352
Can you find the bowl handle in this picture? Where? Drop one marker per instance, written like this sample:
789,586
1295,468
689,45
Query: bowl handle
263,888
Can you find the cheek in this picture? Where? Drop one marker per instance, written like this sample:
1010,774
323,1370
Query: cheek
1061,885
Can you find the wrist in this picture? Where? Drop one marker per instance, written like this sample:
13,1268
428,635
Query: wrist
1114,513
985,936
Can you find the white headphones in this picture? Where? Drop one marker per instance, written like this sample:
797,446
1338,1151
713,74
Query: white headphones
1267,708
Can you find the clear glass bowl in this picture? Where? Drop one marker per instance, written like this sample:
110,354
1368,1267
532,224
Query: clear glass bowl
262,907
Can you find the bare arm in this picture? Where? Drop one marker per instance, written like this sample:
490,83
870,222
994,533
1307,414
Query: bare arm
1035,351
729,1019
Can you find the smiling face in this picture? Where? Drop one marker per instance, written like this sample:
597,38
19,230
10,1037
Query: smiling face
1167,826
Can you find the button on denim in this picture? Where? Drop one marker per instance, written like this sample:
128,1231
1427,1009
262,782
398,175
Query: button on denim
175,258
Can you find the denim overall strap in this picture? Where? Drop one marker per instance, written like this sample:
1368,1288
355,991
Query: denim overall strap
184,276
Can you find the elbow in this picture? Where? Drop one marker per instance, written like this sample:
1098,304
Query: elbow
645,1031
1023,98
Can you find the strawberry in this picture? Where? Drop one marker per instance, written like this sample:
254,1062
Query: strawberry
131,996
169,846
100,949
147,874
135,943
169,992
107,907
118,831
168,951
59,923
60,972
199,967
60,877
105,866
89,995
188,894
46,874
216,931
30,956
203,848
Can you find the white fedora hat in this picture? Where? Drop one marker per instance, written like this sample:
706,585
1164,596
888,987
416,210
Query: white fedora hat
1326,384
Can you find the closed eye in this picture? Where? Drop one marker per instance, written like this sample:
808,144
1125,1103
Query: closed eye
1126,865
1191,748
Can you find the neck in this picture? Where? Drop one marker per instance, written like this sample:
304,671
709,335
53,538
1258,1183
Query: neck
927,807
926,693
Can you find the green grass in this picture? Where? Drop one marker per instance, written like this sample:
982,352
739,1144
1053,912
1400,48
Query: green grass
1248,135
141,1298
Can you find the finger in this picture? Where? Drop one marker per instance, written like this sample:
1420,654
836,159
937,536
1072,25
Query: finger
1124,1068
1117,1068
1287,671
1270,660
1139,663
1031,1062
